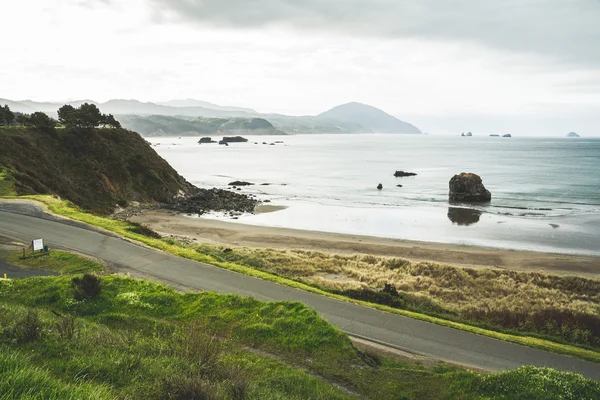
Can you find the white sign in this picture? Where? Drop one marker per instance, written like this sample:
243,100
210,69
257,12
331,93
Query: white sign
38,244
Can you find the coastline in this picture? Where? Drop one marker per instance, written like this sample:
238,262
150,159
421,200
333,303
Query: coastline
235,234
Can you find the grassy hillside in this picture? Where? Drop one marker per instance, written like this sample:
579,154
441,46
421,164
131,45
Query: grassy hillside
159,125
137,339
96,169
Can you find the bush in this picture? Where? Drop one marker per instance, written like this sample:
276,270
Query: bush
66,326
29,328
86,287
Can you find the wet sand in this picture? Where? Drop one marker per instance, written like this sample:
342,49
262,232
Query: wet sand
235,234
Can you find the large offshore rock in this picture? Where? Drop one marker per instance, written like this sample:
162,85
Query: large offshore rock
468,187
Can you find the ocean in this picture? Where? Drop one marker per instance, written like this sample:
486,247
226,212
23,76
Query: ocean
545,191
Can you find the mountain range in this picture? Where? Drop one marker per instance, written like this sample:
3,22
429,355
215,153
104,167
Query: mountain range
142,117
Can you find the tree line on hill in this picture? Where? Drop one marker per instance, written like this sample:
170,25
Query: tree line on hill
86,116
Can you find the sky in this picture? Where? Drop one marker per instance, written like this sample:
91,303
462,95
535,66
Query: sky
447,66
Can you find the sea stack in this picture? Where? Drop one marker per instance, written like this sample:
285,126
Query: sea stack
468,187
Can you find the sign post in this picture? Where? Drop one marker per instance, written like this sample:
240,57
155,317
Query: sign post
38,244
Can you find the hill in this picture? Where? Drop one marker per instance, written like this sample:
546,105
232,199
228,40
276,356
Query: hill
347,118
370,117
95,169
159,125
204,104
117,337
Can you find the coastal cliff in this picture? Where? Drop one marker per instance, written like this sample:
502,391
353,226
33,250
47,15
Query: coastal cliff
100,170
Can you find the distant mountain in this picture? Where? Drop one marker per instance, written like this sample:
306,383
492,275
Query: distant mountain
161,125
347,118
204,104
370,117
17,106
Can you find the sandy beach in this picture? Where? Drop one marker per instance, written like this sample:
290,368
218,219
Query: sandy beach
236,234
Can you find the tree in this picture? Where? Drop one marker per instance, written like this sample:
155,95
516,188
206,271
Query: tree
89,116
85,116
67,116
22,119
42,122
109,120
6,116
9,117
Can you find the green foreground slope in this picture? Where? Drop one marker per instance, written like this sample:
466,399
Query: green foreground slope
138,339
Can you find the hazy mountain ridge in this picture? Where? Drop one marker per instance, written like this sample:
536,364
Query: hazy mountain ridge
374,118
161,125
183,117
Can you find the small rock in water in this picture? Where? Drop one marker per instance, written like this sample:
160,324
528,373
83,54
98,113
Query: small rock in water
401,174
398,185
380,186
240,183
554,226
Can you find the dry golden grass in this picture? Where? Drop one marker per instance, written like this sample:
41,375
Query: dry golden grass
562,306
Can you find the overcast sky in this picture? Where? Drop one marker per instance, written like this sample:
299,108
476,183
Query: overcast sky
524,66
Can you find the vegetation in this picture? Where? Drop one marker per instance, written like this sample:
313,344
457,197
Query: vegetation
159,125
6,184
137,339
564,307
7,117
86,116
95,168
58,261
189,251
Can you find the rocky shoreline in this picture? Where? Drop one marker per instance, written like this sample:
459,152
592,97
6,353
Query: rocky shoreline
196,201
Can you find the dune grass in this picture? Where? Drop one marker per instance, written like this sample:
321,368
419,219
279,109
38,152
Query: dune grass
141,340
292,268
58,261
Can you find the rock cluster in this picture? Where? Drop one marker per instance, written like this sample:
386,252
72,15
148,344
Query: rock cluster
468,187
201,201
206,140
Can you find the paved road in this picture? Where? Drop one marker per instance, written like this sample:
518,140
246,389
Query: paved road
421,337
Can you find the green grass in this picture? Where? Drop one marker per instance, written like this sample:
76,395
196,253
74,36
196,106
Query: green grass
58,261
142,340
6,185
67,209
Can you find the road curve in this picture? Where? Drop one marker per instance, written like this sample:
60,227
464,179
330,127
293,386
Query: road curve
424,338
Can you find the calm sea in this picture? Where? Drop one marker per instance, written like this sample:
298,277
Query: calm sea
545,191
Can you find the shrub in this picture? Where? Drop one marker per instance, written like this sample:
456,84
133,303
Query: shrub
66,326
29,328
86,287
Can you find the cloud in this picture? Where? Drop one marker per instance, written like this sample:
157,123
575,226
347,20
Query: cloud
565,30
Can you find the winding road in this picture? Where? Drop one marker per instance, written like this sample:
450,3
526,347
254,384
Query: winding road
25,222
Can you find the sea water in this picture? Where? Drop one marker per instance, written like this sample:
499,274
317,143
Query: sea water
545,191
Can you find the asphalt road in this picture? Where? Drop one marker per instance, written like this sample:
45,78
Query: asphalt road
432,340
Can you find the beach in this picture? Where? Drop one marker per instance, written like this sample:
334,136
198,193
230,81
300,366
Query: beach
545,193
205,230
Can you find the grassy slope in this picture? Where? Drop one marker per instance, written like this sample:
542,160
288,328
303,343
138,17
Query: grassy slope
95,169
565,307
6,184
138,339
67,209
58,261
